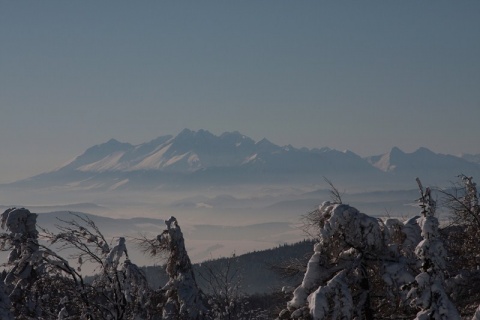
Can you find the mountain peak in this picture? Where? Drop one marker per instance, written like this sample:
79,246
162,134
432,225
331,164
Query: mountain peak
114,142
396,151
186,132
424,151
235,134
202,132
111,145
264,142
237,140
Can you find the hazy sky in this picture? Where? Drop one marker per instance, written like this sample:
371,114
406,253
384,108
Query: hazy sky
358,75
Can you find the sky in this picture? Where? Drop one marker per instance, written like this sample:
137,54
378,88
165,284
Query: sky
358,75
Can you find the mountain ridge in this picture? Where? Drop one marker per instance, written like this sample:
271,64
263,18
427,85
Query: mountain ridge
200,157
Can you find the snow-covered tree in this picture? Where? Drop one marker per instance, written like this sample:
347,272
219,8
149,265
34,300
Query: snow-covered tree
428,292
34,274
25,259
182,299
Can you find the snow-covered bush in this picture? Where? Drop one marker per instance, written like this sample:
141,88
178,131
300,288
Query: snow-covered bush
357,267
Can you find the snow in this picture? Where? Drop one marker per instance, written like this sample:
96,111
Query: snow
332,301
194,161
119,184
385,161
396,275
110,162
312,275
154,160
115,254
250,158
412,233
360,230
175,159
20,222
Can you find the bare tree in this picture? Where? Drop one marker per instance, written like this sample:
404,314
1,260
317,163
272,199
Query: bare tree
223,287
462,201
461,240
335,195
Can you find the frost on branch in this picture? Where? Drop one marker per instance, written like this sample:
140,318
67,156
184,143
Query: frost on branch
428,293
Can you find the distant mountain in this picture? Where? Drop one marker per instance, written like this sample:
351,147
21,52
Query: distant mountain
200,158
475,158
423,163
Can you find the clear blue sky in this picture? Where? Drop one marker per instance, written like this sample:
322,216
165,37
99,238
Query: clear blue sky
358,75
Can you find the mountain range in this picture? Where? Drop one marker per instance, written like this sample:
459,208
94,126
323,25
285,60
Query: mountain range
200,158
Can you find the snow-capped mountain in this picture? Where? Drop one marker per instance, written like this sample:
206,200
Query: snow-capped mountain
423,163
192,151
187,152
200,157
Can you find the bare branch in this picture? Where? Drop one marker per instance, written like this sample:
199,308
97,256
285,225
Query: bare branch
335,195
